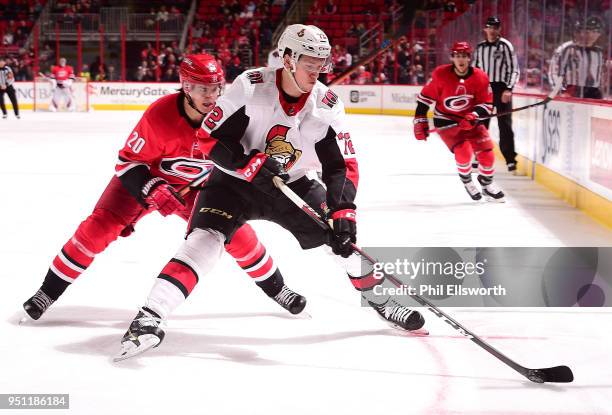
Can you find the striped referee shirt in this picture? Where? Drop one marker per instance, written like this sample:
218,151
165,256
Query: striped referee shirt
498,60
6,76
577,65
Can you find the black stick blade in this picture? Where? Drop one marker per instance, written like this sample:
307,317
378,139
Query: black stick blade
557,374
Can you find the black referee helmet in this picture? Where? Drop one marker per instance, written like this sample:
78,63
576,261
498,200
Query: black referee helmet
493,21
592,23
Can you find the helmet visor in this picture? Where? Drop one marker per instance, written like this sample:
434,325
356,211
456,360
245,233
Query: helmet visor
315,65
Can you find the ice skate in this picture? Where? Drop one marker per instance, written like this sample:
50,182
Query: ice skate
144,333
36,306
472,190
401,317
290,300
490,189
512,169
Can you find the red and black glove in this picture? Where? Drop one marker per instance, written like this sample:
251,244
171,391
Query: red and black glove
421,128
159,195
260,170
344,232
469,121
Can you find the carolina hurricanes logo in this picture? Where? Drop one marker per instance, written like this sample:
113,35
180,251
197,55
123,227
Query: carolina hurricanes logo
458,102
185,168
279,148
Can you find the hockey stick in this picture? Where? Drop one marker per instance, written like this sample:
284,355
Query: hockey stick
560,374
186,188
549,97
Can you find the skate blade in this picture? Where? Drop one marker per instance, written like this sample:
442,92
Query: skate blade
25,319
418,332
492,199
304,315
130,349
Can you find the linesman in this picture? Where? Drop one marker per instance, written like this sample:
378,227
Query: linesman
580,62
495,55
6,85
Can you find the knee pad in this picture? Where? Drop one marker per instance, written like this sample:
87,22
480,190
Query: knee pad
243,243
463,153
99,229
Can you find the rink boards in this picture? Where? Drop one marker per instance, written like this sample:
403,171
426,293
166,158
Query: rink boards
566,146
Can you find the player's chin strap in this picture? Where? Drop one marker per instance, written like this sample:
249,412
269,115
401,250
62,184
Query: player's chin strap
291,72
191,104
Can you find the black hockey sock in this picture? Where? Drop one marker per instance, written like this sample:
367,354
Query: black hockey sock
484,180
273,284
53,285
465,178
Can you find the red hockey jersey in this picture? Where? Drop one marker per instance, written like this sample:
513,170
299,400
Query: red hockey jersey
62,73
455,96
163,144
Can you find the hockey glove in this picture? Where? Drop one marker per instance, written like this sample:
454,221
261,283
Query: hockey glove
421,128
344,232
159,195
469,121
260,170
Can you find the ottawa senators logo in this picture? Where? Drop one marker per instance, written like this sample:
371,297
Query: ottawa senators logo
279,148
301,33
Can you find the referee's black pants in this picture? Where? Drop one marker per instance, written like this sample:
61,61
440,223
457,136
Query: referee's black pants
506,135
10,91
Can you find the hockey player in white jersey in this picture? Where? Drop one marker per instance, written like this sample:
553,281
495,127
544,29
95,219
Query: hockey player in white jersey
272,122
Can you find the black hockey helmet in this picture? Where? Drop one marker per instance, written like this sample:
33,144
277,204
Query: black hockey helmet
592,23
493,21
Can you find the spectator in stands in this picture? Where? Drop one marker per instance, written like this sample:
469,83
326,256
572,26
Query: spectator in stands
112,74
330,8
362,76
162,15
85,72
234,69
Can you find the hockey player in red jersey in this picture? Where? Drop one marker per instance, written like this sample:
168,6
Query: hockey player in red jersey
159,156
461,94
62,77
273,122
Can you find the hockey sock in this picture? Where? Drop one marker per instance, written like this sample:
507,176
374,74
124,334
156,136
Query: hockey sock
250,254
69,263
486,161
196,256
273,284
463,157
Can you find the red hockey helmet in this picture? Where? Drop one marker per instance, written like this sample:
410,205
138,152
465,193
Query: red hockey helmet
461,47
201,69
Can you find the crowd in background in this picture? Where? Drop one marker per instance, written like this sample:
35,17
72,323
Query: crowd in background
235,30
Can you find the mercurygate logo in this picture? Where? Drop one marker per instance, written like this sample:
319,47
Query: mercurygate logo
135,92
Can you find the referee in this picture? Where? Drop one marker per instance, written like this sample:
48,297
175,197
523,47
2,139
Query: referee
496,57
580,62
6,85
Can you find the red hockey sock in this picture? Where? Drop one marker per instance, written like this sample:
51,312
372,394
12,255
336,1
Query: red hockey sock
250,254
463,157
486,163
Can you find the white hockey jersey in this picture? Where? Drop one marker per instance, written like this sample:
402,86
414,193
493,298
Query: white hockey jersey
254,116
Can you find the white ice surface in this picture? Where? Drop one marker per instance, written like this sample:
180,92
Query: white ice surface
229,349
